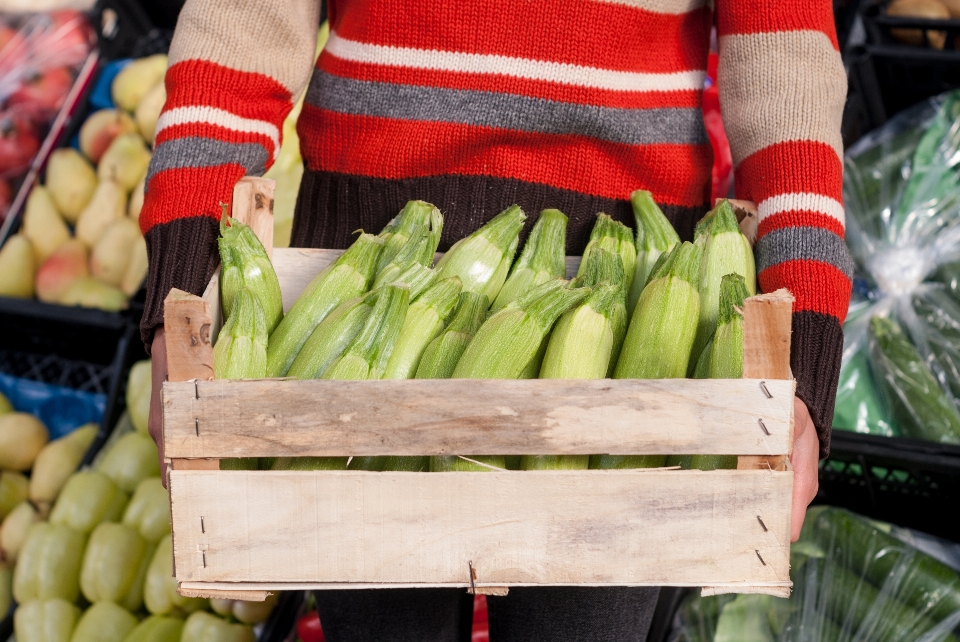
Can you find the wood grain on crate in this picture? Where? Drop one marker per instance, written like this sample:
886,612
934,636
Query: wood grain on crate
288,418
558,527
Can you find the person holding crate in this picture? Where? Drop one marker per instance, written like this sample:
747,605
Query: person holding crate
572,104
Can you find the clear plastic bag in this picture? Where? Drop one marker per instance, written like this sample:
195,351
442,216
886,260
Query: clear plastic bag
854,580
901,359
40,55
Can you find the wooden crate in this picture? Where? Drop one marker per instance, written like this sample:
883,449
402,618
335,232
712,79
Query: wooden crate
244,533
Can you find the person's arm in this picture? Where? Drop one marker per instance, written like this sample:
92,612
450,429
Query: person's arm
236,66
782,90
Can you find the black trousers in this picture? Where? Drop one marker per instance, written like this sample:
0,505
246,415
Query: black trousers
542,614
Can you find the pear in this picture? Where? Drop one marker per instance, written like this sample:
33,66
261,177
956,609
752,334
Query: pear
71,181
136,198
22,437
89,292
99,130
64,266
148,111
136,79
42,223
57,461
17,267
125,161
112,253
136,269
107,205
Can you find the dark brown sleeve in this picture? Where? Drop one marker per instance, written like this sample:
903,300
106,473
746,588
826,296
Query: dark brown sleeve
183,254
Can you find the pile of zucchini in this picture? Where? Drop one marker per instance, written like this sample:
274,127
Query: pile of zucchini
648,307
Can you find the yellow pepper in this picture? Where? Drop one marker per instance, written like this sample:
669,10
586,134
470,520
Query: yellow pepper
49,564
115,566
149,510
104,622
87,499
45,621
130,460
204,627
156,629
160,590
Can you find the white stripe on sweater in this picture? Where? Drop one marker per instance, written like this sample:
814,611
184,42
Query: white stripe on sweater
801,201
221,118
671,7
563,73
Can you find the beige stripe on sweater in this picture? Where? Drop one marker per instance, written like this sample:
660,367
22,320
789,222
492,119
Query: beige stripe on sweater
276,38
672,7
778,87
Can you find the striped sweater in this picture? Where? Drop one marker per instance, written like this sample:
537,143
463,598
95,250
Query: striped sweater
473,106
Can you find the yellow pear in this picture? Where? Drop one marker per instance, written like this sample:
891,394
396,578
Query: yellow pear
18,265
148,111
136,198
13,531
71,181
136,79
99,130
42,223
89,292
57,461
125,161
22,437
111,255
107,205
69,262
136,269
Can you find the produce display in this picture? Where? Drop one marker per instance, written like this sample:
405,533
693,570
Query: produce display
854,579
925,9
901,360
383,310
80,241
87,554
40,55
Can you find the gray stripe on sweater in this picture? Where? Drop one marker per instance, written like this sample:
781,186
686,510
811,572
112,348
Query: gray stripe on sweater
682,126
193,151
798,243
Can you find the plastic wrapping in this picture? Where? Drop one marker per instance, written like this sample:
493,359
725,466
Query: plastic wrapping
901,358
854,580
40,55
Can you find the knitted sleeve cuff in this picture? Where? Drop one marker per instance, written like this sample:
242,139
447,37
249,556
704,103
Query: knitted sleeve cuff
183,254
815,353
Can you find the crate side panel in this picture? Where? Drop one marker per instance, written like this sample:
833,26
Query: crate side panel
277,418
593,527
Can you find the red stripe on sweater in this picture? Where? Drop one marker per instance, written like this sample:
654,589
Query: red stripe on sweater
246,94
676,174
206,130
819,287
594,34
765,16
509,85
792,167
795,218
190,191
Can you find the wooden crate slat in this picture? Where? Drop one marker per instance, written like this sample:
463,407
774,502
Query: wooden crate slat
278,418
590,527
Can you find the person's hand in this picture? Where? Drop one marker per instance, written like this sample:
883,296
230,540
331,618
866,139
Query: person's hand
158,361
805,460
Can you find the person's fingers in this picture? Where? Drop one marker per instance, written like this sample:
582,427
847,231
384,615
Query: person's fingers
805,460
155,421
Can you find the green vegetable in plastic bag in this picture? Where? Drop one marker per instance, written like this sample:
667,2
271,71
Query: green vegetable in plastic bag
920,406
859,406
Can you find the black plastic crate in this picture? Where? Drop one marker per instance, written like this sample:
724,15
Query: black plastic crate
906,482
906,74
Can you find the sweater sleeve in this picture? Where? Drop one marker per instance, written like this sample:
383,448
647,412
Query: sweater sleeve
782,90
235,68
